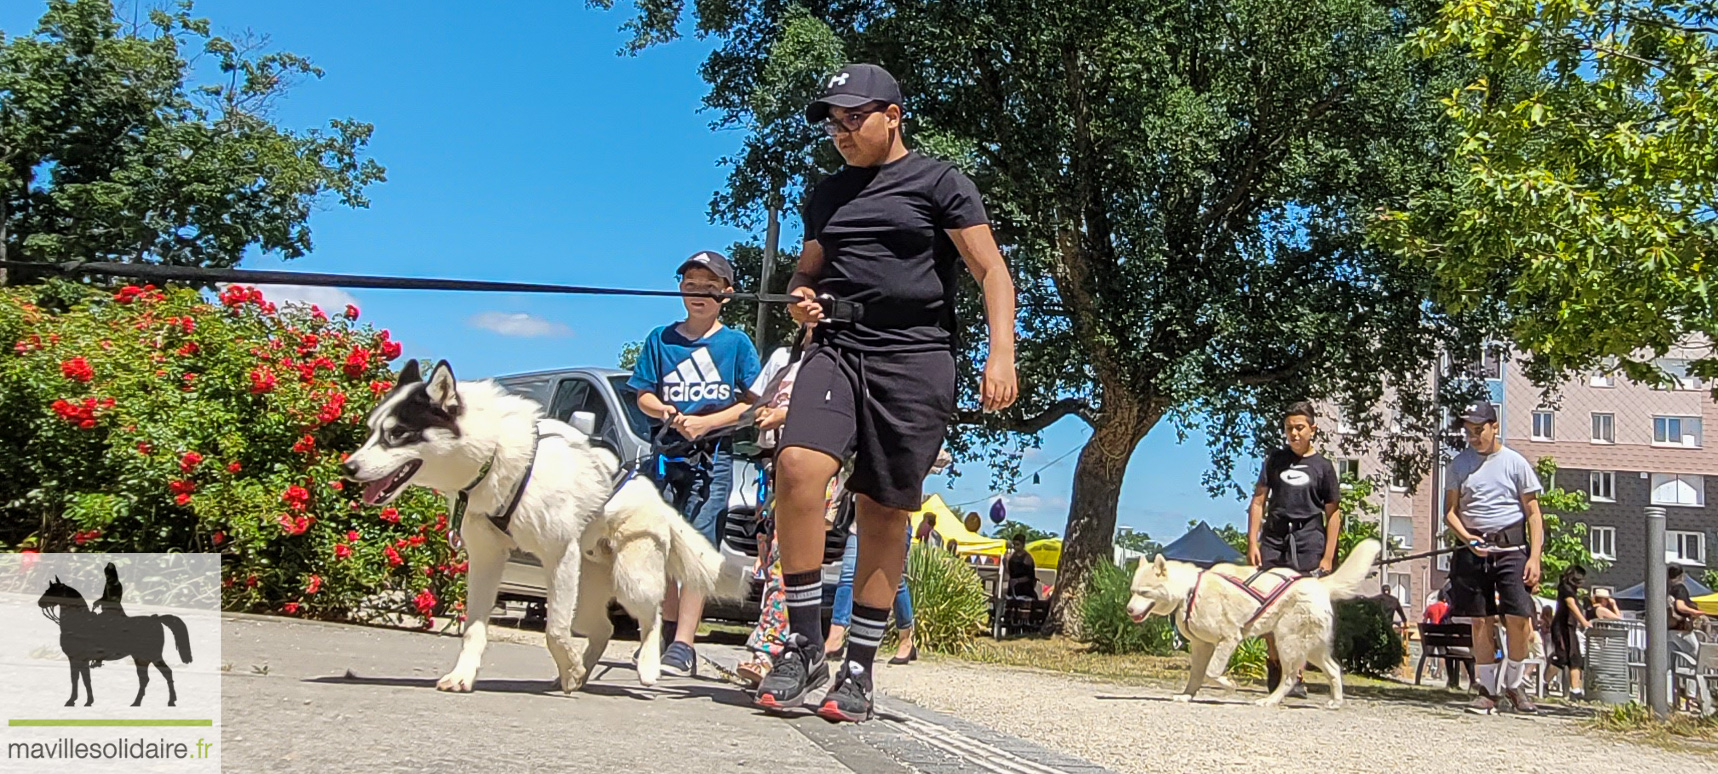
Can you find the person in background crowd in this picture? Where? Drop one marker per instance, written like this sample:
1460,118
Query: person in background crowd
1568,644
1602,607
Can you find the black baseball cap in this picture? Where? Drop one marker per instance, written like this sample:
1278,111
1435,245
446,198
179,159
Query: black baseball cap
853,86
1480,413
711,260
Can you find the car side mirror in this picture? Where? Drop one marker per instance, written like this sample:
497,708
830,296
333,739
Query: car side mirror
584,422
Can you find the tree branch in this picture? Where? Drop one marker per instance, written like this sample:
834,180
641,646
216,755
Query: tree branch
1256,378
1031,425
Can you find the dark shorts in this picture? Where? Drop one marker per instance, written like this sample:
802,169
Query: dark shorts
1300,550
888,411
1490,585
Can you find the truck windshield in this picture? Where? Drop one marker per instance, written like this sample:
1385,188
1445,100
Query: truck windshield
635,419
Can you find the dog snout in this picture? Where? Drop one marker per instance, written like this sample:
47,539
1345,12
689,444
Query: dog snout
349,469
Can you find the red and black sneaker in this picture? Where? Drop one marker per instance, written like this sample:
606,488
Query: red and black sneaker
794,676
849,701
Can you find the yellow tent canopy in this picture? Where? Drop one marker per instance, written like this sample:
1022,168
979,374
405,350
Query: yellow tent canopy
1707,604
949,526
1046,554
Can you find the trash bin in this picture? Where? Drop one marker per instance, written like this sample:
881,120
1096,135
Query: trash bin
1608,662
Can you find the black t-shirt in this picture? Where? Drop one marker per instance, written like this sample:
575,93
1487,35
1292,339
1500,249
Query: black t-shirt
883,233
1297,489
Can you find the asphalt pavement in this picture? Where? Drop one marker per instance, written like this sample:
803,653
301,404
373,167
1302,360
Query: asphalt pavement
304,696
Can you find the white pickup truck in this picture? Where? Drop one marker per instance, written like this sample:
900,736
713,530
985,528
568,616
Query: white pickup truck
613,418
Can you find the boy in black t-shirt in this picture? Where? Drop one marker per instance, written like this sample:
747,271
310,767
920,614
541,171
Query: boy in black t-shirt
888,232
1292,521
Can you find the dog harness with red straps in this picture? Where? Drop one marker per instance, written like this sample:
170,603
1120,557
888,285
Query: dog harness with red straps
1265,599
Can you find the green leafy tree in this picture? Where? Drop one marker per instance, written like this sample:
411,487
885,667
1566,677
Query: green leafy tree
1181,192
1583,209
1565,540
1008,529
1139,541
628,357
111,151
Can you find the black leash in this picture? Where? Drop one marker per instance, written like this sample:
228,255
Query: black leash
834,308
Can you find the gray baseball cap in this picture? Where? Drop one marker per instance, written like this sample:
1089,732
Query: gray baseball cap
715,262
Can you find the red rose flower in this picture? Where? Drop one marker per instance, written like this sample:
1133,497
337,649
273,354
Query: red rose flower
127,294
181,487
316,314
232,467
218,538
356,362
351,312
77,369
290,608
293,525
392,556
342,552
189,462
143,449
296,497
314,586
389,515
424,602
336,485
351,536
388,348
262,382
183,499
305,445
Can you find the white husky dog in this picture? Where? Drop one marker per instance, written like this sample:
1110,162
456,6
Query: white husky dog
540,485
1217,608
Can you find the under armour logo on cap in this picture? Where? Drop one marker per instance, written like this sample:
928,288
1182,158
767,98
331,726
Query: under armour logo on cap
855,85
839,80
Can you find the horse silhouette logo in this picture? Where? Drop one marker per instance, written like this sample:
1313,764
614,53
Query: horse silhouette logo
90,636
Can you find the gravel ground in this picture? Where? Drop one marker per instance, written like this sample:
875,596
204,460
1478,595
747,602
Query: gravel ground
1133,729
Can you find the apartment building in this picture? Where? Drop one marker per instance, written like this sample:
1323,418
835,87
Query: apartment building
1626,445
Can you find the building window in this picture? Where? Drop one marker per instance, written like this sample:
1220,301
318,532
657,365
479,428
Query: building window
1685,547
1347,468
1680,379
1443,562
1402,531
1602,541
1676,431
1399,482
1602,380
1542,430
1604,428
1400,584
1602,486
1678,489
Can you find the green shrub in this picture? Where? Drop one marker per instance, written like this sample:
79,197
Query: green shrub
949,604
1104,622
155,421
1248,660
1365,643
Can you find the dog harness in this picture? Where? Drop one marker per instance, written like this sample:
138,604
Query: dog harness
1264,598
503,518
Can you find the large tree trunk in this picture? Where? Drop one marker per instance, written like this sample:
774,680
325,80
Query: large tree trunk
1090,533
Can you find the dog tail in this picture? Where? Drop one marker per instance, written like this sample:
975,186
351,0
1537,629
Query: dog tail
1345,583
699,567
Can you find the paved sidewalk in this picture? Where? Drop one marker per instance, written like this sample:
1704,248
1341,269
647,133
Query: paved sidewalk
314,697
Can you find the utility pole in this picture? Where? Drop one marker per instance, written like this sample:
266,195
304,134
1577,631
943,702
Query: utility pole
1657,632
762,331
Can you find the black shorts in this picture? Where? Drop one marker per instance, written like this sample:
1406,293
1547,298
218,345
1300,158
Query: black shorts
888,411
1300,550
1490,585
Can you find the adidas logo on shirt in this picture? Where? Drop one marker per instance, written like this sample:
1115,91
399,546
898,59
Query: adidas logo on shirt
696,379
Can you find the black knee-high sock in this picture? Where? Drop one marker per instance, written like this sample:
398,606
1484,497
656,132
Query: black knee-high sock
864,636
804,593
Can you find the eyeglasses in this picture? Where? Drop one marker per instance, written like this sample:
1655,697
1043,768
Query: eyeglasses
849,122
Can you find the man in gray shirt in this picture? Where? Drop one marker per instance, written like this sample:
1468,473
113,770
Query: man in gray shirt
1491,503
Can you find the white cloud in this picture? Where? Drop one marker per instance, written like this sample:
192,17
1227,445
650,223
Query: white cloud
1035,503
519,324
331,301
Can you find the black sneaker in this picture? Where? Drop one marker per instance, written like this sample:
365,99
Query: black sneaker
680,660
794,676
1298,691
1483,704
849,701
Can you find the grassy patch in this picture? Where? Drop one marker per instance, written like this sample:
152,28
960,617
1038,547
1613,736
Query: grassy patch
1634,719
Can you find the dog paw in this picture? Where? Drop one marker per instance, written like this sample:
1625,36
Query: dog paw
1333,704
1224,681
1268,701
456,682
1181,698
572,680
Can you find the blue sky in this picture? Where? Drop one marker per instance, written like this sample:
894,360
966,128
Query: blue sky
520,146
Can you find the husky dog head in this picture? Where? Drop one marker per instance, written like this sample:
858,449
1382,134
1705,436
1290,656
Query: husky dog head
1159,587
412,432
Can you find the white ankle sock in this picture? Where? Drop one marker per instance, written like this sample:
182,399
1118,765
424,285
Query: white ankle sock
1514,673
1487,674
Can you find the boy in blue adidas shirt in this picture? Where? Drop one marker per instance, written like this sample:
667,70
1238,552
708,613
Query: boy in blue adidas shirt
694,376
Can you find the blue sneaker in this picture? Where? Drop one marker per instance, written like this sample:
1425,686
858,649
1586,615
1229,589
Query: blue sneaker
680,660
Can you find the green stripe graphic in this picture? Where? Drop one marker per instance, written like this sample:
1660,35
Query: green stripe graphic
91,722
